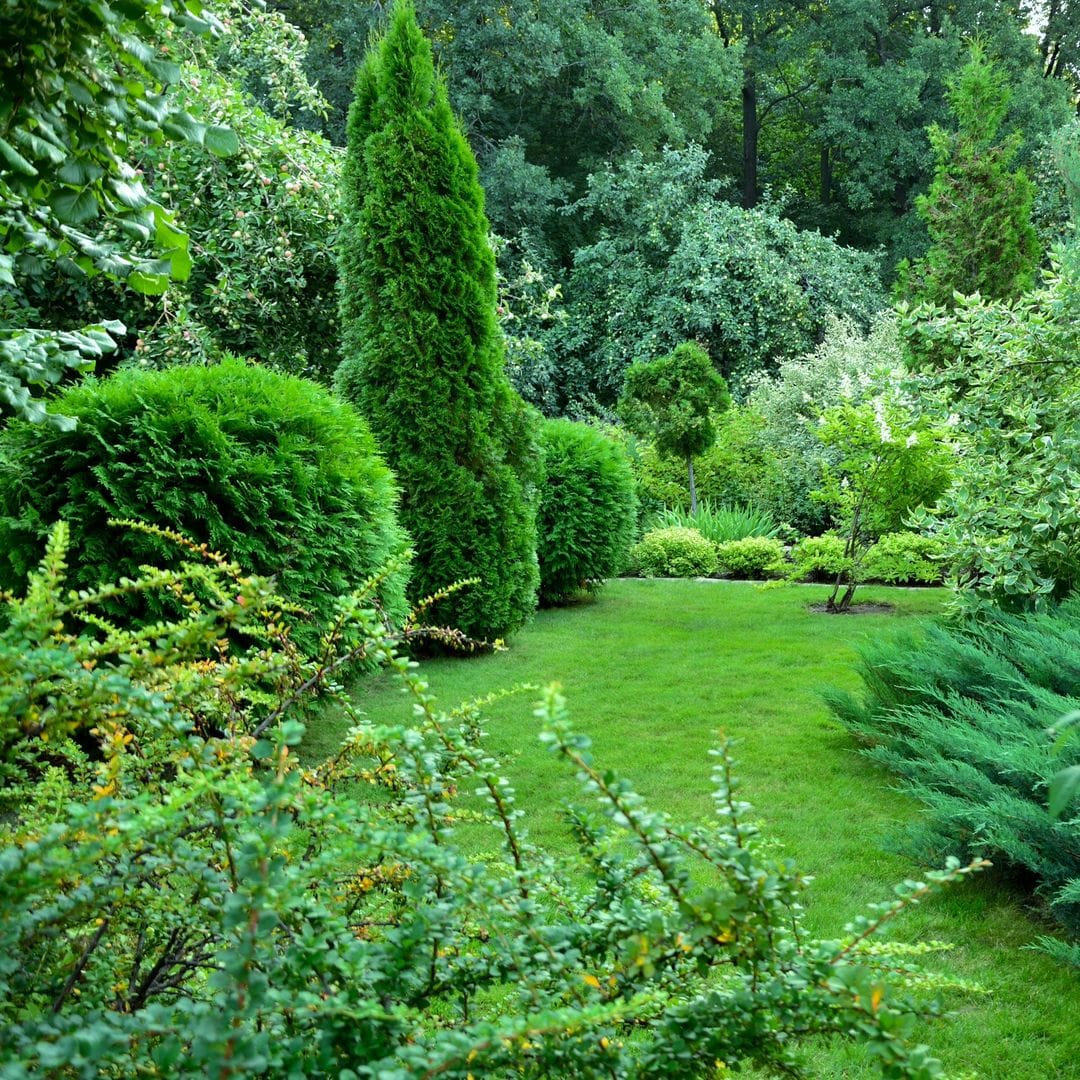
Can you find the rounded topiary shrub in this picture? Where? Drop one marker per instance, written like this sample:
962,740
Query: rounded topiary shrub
673,552
751,557
269,469
585,524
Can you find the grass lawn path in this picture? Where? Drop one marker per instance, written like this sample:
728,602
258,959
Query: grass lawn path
653,669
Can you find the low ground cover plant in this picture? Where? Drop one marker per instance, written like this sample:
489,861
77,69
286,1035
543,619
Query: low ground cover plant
181,896
585,522
963,715
268,468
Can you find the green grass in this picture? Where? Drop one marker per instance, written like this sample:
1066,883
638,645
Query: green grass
653,669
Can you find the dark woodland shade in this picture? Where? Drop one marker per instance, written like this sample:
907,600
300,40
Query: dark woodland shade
423,354
267,468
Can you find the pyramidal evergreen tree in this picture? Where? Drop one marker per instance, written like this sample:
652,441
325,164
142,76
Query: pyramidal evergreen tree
423,353
977,211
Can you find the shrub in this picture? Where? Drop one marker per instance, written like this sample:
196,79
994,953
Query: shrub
819,558
720,523
905,558
156,923
751,557
585,524
963,716
423,357
674,552
267,468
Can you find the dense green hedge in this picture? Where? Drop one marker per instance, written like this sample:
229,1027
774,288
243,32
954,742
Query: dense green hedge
962,714
585,524
267,468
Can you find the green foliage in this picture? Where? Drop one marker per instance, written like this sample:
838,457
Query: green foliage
83,84
751,557
671,262
265,467
889,463
847,366
820,558
1004,378
905,558
719,523
977,212
586,520
188,899
673,552
671,402
963,716
423,356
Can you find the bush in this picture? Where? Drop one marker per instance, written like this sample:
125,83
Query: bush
585,524
751,557
905,558
423,357
963,716
190,902
819,558
674,552
267,468
719,523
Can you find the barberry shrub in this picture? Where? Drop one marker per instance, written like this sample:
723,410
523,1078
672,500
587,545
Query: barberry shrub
183,897
267,468
423,356
586,521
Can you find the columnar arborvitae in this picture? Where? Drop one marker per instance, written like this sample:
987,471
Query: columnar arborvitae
978,213
423,355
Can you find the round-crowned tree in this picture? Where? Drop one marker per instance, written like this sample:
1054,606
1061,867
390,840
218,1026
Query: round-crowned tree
269,469
671,402
587,507
423,356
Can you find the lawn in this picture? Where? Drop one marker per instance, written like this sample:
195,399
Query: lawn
653,669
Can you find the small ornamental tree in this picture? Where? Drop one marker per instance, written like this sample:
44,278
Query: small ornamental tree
671,402
977,212
423,356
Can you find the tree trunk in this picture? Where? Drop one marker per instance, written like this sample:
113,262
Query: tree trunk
826,175
749,141
693,486
750,126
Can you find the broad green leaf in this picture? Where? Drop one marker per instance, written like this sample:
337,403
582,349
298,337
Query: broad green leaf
148,284
1063,789
15,160
221,141
74,207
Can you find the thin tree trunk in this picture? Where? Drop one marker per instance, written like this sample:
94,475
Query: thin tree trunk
693,486
826,175
750,126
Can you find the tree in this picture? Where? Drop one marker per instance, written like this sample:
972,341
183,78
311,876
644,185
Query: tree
672,401
85,85
423,356
978,213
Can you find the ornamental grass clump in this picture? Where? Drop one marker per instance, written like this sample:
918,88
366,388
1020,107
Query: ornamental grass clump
719,523
585,524
267,468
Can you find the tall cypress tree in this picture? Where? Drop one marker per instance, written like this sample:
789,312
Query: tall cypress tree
978,213
423,353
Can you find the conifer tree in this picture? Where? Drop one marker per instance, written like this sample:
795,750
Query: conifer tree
423,353
978,213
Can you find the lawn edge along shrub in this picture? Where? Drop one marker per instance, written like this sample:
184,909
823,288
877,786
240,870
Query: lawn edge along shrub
267,468
586,519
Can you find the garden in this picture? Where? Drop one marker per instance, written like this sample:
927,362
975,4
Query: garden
539,542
